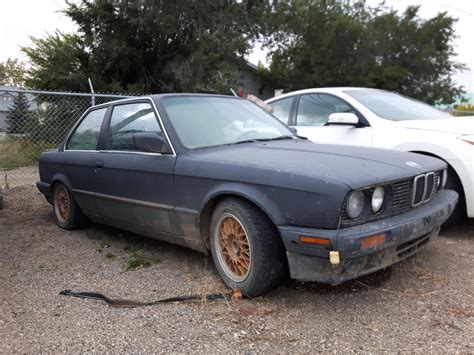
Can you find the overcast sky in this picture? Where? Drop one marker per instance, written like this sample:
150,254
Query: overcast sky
20,19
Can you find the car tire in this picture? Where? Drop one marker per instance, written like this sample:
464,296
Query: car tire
459,213
246,248
67,213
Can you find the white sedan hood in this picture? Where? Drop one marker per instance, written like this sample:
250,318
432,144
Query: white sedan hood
458,125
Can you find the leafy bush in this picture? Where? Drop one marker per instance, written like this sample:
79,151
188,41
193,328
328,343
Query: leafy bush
465,109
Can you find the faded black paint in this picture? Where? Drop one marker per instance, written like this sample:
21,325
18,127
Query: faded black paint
297,183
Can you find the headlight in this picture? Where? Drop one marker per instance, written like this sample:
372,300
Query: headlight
445,178
355,204
377,199
468,138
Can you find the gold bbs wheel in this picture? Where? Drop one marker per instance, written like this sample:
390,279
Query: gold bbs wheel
62,206
233,249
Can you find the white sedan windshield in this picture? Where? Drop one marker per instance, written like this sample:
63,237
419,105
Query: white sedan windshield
210,121
396,107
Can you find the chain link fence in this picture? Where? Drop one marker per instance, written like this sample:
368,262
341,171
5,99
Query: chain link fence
32,121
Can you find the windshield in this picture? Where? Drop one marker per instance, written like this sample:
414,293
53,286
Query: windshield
208,121
396,107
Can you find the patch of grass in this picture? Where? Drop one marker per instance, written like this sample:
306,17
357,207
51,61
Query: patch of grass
15,153
135,260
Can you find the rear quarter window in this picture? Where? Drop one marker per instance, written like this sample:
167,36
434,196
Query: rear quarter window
86,135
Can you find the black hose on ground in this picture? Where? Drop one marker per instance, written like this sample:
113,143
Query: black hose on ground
132,304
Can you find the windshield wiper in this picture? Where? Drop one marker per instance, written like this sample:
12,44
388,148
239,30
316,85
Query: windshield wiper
278,138
245,141
253,140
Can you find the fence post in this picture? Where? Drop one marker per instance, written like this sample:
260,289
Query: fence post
92,92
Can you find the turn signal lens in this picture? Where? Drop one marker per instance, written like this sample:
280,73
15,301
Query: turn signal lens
314,240
373,241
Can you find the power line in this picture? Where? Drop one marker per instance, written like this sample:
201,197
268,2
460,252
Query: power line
453,8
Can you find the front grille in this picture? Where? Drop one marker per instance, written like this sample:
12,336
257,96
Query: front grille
424,187
401,196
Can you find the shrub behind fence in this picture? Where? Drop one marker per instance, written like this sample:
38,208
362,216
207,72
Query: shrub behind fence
38,120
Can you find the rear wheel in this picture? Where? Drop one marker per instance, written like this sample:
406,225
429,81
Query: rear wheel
246,248
67,213
459,213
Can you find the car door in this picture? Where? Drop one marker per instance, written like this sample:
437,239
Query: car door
311,116
80,152
134,188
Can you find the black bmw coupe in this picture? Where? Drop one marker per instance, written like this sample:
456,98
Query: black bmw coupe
220,175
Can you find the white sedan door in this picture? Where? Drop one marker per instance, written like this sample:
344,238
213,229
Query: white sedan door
310,117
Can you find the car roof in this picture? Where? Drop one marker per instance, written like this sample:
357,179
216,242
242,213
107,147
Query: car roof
157,97
324,89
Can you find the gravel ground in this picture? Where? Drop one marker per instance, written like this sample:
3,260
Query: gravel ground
423,304
26,175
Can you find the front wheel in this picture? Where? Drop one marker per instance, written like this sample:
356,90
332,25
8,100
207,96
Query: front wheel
246,248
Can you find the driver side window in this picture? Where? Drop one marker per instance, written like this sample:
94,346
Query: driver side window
314,109
129,119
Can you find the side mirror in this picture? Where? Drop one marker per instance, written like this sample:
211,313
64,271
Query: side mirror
151,142
344,118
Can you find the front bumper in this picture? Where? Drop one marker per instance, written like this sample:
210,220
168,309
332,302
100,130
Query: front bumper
405,234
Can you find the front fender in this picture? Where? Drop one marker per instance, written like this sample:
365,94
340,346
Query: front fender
248,192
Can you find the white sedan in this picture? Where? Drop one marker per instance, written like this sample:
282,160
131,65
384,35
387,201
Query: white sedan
382,119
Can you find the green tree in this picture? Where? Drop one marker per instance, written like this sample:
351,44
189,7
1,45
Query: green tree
18,116
59,62
148,45
338,43
12,73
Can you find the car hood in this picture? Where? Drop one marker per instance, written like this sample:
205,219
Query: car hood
456,125
353,166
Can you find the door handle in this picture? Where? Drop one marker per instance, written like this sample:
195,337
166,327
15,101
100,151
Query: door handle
99,164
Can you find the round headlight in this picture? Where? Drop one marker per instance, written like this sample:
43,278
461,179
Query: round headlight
355,204
377,199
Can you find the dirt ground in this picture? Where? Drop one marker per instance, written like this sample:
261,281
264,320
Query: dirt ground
423,304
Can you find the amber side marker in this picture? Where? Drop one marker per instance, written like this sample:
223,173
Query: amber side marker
373,241
314,240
